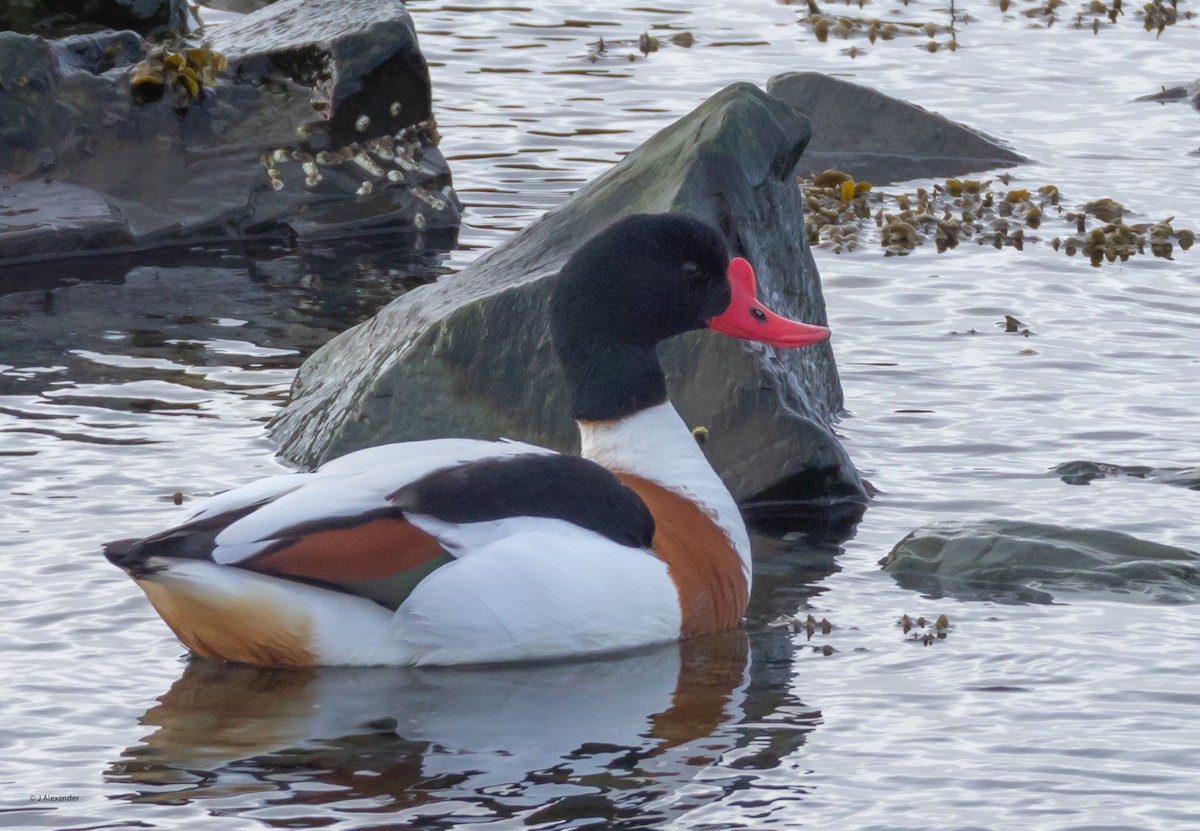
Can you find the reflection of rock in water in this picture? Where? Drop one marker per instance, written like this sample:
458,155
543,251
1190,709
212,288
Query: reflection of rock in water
167,307
1023,562
796,545
601,738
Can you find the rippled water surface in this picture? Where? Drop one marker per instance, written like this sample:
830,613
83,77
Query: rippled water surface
127,387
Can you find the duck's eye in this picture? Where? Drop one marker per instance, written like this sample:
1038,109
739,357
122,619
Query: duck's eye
691,271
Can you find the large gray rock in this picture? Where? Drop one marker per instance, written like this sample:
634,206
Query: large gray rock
880,139
339,85
471,355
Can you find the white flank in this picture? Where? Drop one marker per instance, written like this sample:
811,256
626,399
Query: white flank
656,445
543,588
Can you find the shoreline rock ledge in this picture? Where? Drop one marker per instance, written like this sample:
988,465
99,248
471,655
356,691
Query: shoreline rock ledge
470,355
304,120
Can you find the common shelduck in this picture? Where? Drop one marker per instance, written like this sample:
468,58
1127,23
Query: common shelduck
457,551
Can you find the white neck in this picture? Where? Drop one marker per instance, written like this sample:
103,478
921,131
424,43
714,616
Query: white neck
656,445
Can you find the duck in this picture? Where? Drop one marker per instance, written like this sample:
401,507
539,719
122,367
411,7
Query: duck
459,551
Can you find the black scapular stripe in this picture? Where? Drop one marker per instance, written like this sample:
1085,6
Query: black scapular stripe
559,487
191,541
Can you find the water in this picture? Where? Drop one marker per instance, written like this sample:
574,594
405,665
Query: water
155,378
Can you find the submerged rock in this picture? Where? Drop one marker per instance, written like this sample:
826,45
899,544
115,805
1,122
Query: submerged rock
880,139
471,355
1186,92
1029,562
1083,472
307,119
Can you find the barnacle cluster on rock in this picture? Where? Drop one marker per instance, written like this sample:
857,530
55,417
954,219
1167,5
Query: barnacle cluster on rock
844,214
184,74
394,159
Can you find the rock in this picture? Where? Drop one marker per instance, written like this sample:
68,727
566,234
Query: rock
471,356
1023,562
1187,92
880,139
77,219
1084,472
51,17
320,126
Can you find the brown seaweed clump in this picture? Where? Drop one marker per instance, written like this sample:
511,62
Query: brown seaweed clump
924,631
844,214
183,74
833,20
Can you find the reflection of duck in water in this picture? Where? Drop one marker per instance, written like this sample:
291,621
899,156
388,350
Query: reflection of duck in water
498,740
461,551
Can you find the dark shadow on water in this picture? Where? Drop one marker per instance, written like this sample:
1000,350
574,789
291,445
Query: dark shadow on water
796,546
821,525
